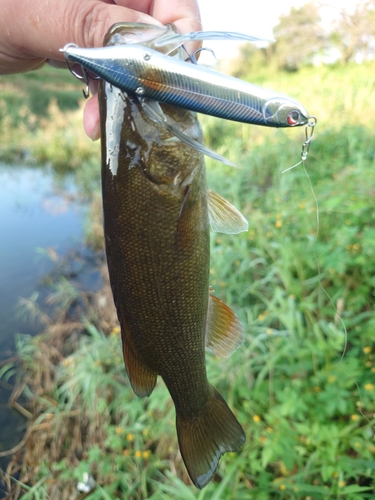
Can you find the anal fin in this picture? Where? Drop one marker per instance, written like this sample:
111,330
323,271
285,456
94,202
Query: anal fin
142,379
224,217
224,331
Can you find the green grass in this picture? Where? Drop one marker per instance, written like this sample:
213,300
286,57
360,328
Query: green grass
301,280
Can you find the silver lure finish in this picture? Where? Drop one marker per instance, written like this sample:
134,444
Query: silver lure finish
148,73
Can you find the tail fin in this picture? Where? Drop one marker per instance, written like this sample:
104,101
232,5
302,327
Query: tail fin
204,438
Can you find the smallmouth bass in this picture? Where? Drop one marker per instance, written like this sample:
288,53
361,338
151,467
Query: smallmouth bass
156,223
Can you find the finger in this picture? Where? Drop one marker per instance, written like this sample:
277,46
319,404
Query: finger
184,14
91,121
84,23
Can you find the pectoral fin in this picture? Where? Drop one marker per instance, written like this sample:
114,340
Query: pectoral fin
155,113
142,379
224,217
224,331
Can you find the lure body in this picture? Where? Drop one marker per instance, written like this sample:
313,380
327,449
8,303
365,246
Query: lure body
150,74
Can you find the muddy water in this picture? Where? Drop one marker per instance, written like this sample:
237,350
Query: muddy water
33,216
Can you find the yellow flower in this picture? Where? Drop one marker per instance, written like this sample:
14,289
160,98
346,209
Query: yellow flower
130,437
341,484
115,331
282,486
269,331
138,454
355,417
260,317
68,361
373,369
256,419
278,223
367,350
146,454
119,430
369,387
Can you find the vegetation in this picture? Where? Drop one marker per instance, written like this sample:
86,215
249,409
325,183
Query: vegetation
302,282
316,33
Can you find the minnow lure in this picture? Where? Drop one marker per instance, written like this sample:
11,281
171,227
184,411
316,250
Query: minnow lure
146,72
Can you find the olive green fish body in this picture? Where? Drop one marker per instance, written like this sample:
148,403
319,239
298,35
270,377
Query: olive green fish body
156,225
158,255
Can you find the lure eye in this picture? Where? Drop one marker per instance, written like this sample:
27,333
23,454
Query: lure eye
293,117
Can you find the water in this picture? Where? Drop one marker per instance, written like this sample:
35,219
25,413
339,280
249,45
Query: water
33,215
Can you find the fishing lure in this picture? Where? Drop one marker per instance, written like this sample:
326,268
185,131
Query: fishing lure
149,74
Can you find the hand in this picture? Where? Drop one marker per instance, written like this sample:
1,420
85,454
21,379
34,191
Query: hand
31,32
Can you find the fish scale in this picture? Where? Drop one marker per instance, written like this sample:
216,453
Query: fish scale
156,226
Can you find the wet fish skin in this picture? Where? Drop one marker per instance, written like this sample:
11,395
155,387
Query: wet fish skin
148,73
156,226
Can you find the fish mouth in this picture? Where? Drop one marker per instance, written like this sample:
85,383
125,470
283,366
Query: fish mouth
284,112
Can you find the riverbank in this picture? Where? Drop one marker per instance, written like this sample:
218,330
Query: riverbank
301,281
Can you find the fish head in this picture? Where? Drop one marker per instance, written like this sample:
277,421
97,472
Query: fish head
281,111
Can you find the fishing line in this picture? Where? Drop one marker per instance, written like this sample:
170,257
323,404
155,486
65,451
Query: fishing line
309,134
304,152
349,374
318,265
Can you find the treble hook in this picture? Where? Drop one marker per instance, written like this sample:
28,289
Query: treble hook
84,76
192,58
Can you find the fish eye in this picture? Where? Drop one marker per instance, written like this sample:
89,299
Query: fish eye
293,117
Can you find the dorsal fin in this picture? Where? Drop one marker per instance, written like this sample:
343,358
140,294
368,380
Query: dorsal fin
224,217
224,331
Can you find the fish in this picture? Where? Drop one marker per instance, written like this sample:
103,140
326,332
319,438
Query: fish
150,73
157,212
